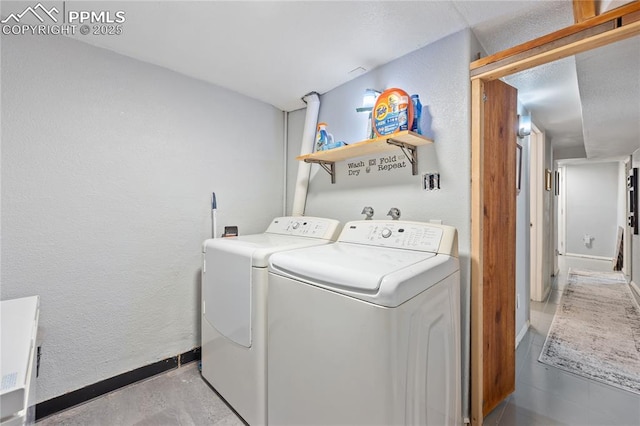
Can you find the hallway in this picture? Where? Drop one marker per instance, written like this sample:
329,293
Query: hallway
547,396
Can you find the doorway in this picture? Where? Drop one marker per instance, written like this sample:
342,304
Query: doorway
543,50
539,277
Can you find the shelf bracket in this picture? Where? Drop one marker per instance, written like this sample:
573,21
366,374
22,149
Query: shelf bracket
328,166
412,155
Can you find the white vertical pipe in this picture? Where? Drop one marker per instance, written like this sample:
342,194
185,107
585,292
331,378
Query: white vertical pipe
285,142
308,139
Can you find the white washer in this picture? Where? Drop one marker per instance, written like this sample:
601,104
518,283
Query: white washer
234,311
367,330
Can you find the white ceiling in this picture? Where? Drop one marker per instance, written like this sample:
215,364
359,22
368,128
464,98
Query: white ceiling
279,51
591,100
609,80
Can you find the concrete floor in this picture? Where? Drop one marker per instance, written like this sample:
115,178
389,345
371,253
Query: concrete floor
548,396
177,397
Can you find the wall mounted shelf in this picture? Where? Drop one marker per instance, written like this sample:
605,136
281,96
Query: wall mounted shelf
406,140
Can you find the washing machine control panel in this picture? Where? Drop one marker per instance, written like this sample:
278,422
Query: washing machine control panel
313,227
394,234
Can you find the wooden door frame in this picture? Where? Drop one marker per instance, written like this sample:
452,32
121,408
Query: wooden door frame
590,33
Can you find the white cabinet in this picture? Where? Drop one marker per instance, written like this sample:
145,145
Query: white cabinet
18,331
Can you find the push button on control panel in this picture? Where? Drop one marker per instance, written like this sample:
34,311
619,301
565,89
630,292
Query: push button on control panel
304,227
407,235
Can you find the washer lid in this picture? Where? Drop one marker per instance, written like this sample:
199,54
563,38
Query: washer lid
344,265
259,247
382,276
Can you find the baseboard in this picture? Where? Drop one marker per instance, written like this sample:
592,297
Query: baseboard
87,393
635,290
546,292
522,333
190,356
588,256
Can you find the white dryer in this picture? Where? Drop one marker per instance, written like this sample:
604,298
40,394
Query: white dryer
367,330
234,308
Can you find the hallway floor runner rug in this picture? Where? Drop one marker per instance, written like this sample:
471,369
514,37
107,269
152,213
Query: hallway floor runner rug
595,332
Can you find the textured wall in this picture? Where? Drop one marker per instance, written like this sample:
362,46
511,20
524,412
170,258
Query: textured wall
592,208
439,73
441,79
108,165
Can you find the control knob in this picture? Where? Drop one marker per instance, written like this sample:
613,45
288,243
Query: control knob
386,233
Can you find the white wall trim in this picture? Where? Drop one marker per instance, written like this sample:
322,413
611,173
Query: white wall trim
562,218
635,287
623,213
536,215
522,332
588,256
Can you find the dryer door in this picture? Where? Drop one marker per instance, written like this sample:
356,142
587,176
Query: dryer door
227,294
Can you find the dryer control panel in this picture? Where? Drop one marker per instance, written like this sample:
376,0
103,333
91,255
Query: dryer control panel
304,226
402,235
